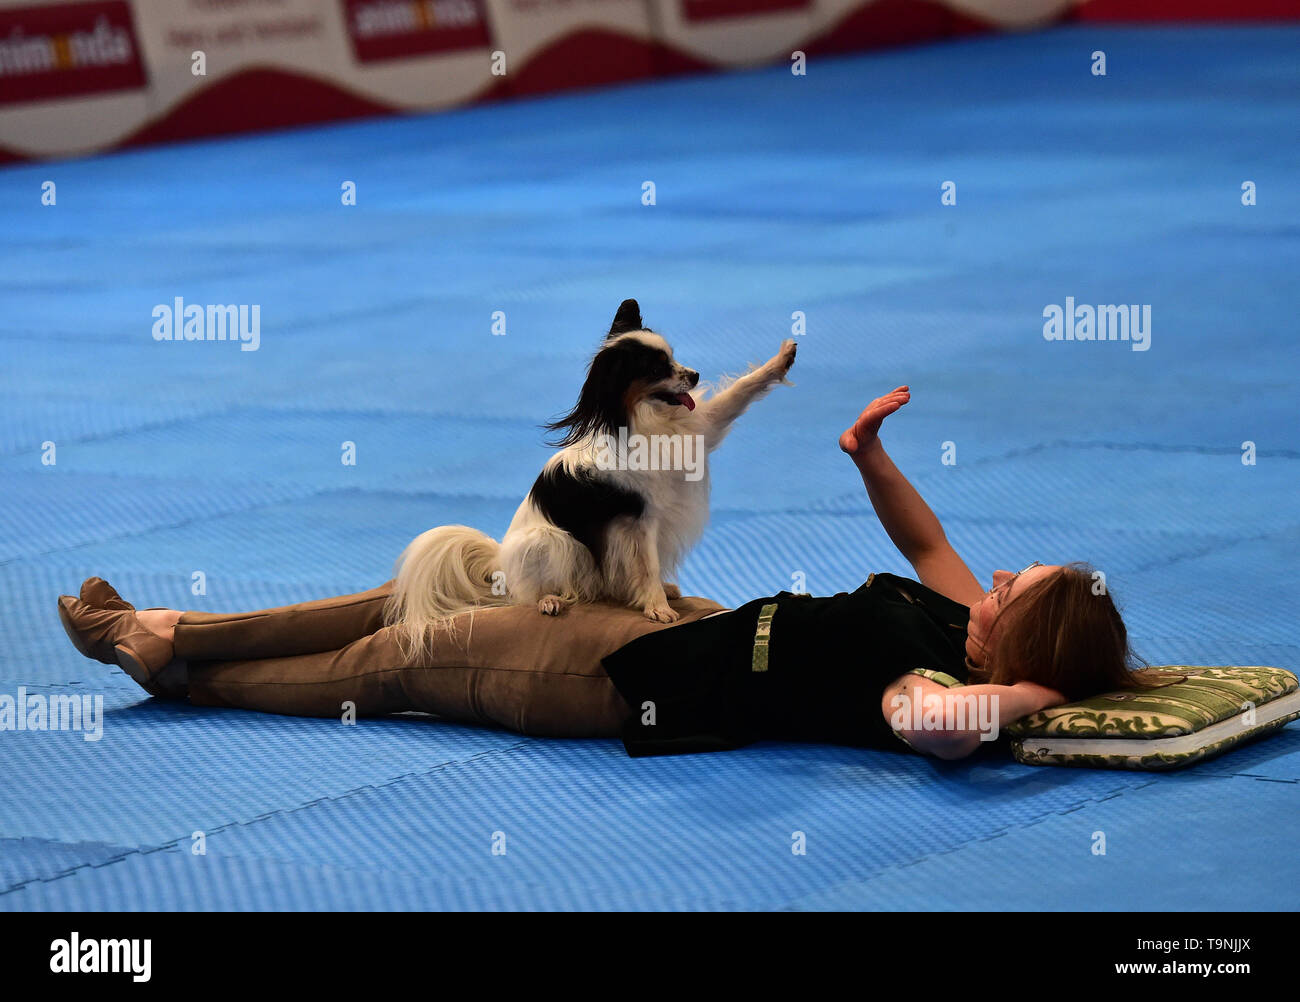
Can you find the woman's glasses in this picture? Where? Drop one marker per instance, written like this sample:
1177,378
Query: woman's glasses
1002,588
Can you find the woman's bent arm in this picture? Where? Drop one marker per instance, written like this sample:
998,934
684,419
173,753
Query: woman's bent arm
948,723
911,525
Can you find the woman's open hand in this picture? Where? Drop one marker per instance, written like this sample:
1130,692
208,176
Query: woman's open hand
858,439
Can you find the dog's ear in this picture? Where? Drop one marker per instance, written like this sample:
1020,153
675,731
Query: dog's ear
628,318
602,404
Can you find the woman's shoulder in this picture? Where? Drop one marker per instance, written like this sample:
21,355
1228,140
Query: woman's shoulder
915,593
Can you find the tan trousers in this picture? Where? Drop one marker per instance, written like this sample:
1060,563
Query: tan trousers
530,673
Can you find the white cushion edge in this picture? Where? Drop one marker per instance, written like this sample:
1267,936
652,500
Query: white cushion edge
1266,714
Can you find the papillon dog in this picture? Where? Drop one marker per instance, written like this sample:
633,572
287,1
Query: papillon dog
612,513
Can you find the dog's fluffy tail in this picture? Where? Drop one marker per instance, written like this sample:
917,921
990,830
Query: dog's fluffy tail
442,573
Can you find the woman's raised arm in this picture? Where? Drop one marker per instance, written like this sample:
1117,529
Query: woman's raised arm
908,520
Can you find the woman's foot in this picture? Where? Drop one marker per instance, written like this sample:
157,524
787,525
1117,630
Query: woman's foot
138,643
102,595
99,593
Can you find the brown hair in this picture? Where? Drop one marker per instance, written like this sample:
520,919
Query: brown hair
1059,632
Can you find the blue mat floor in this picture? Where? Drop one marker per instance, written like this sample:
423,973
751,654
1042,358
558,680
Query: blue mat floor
775,194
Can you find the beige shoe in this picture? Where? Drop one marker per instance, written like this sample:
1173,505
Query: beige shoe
115,637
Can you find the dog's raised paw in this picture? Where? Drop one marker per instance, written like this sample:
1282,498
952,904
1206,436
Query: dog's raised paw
779,364
551,605
660,614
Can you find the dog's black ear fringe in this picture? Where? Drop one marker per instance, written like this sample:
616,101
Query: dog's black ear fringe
628,318
601,407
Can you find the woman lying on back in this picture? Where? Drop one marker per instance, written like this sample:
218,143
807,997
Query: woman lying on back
874,667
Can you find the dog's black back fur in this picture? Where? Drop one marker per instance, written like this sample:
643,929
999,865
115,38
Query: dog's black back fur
583,504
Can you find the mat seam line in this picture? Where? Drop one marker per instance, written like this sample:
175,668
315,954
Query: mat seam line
161,527
290,498
175,843
254,409
1202,450
1039,819
1047,815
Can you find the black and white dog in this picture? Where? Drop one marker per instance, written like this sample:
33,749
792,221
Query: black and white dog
613,512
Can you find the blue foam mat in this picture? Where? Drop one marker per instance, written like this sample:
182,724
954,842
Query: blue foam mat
775,194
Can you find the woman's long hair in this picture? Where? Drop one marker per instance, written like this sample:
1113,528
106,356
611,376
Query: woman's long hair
1064,632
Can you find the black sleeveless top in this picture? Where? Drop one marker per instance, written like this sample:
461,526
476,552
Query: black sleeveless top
789,667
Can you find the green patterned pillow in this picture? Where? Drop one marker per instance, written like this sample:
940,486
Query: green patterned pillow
1166,728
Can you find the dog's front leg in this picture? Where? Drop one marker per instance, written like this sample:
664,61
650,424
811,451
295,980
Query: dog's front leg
638,555
721,409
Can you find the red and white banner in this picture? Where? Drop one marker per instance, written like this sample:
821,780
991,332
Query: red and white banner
82,48
713,10
551,45
78,76
399,29
714,33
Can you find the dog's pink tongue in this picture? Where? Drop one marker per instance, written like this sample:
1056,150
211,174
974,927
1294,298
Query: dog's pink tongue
685,400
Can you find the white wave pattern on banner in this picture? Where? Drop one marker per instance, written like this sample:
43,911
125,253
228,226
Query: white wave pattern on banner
80,77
